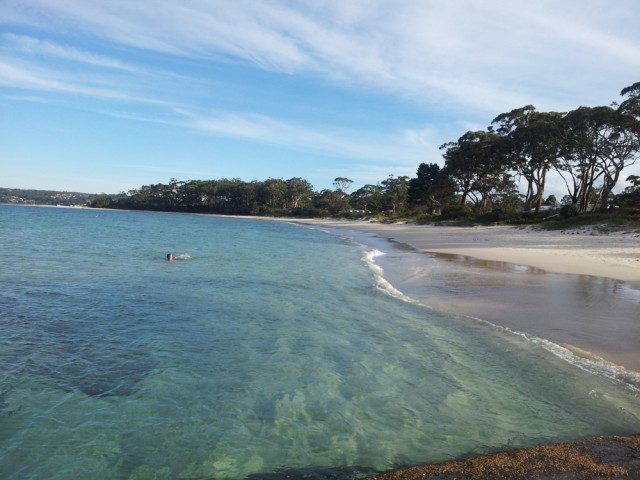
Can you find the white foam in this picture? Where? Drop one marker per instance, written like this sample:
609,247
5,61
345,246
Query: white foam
591,363
583,360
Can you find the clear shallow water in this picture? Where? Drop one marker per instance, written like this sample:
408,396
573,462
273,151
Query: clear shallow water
271,348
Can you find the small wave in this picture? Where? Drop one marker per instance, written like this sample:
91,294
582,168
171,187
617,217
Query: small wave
590,363
577,357
580,358
381,283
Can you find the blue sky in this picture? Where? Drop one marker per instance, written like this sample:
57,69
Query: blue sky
108,95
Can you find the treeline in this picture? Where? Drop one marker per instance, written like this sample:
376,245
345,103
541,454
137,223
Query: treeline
589,148
44,197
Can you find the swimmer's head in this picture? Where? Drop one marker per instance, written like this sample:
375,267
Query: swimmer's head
170,257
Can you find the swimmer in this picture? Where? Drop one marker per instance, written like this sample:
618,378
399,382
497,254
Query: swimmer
170,257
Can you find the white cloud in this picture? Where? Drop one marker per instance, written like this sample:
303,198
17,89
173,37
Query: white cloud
402,147
471,60
35,46
26,76
488,56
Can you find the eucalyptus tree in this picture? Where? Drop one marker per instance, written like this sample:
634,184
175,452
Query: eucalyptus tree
332,202
238,197
531,141
631,105
299,193
599,143
342,184
368,198
396,193
335,201
171,193
213,196
631,195
460,163
623,151
272,193
192,195
477,166
420,186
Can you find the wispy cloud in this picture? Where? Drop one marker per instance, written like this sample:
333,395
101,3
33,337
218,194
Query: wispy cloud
259,128
462,53
25,76
455,65
35,46
28,98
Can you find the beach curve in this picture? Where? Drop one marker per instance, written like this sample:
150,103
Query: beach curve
614,256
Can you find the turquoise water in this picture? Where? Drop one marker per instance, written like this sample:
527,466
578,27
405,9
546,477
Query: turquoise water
269,347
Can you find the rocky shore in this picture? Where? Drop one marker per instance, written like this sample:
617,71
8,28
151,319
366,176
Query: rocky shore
593,458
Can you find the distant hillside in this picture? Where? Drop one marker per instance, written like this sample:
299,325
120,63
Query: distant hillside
44,197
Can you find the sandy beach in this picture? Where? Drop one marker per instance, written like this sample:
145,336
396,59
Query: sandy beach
584,252
579,289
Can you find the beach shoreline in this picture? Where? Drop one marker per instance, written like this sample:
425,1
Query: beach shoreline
524,258
578,289
583,251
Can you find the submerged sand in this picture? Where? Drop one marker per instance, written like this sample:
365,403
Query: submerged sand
578,288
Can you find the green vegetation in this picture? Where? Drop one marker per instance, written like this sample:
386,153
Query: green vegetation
589,148
44,197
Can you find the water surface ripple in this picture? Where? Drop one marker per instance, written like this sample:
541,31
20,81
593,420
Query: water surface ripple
269,349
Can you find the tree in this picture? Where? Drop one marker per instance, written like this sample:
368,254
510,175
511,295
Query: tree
272,193
599,143
396,193
551,201
430,187
477,166
368,198
342,184
631,105
299,193
631,195
333,202
531,142
101,201
192,196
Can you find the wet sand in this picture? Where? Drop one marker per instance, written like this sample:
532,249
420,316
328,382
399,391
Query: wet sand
577,289
574,288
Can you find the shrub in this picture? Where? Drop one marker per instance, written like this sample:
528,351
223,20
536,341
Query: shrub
457,212
568,211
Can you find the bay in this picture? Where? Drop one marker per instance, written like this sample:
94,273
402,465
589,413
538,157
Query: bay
266,347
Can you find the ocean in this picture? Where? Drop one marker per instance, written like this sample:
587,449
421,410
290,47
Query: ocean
266,350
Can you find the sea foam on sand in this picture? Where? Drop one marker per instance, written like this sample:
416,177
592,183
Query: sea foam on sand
579,289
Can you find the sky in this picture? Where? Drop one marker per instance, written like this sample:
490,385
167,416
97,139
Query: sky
109,95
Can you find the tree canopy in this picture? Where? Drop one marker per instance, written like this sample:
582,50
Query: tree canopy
588,147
